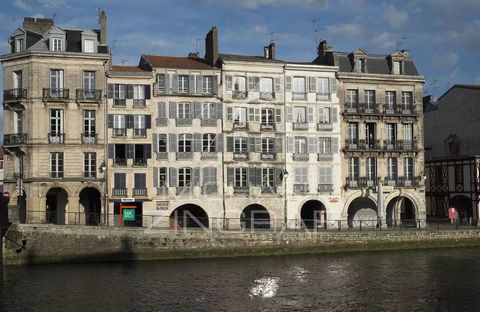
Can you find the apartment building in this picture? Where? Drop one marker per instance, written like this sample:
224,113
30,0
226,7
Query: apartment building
381,100
54,82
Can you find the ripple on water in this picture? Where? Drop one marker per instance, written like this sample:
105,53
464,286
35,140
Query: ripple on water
265,287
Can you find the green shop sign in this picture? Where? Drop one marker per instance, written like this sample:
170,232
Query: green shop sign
128,214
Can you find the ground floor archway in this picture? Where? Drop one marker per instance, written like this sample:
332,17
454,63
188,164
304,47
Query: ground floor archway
313,214
401,210
90,200
56,205
362,211
464,207
255,216
189,216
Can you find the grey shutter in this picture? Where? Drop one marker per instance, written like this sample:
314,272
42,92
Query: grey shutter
230,176
197,142
252,176
290,113
110,121
110,91
219,142
333,85
229,113
173,176
229,144
278,115
155,142
334,145
191,84
148,151
148,122
258,176
256,83
155,176
312,84
251,83
312,145
251,114
278,84
258,145
277,176
172,110
147,92
162,110
111,151
251,144
257,114
197,107
310,114
219,110
278,145
215,84
199,84
196,176
129,91
129,121
130,151
289,144
172,137
174,84
334,117
167,85
288,84
228,82
205,175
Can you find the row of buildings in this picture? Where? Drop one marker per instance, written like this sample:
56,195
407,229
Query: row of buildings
230,139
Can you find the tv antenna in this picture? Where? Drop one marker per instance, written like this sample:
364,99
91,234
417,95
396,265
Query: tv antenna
197,40
400,42
55,15
272,36
123,61
315,30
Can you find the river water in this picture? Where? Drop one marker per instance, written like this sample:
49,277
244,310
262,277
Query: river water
416,280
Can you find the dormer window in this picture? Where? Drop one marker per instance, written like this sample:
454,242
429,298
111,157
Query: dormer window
361,65
57,44
397,68
19,45
89,46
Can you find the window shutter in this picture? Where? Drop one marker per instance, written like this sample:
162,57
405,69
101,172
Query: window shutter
257,114
148,122
258,145
147,92
278,115
334,116
197,107
251,83
162,110
129,121
173,176
310,114
155,142
229,144
199,84
172,137
205,176
197,142
334,145
230,176
110,121
277,176
229,113
278,84
219,143
130,151
290,114
256,83
129,91
312,145
251,114
328,174
215,84
312,84
172,110
251,144
278,145
228,82
175,84
258,176
191,84
196,176
219,110
288,84
333,85
167,85
155,176
111,151
289,144
148,151
110,91
252,176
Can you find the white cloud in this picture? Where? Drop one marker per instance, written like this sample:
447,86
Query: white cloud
394,16
258,29
160,44
447,60
383,41
53,4
253,4
345,31
20,4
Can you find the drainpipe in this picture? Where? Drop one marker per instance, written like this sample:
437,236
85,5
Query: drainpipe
285,143
105,146
223,154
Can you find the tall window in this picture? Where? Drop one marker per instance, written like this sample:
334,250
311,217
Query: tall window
392,168
458,173
209,142
408,168
369,97
89,80
268,145
353,170
162,143
239,115
56,165
208,111
408,135
89,46
300,145
298,87
185,143
19,45
18,122
266,85
301,175
361,65
210,177
119,128
300,114
161,83
139,129
119,180
139,181
119,94
17,79
89,165
162,177
56,122
325,146
323,91
89,123
353,131
407,99
324,117
268,177
183,83
184,111
240,177
352,97
207,84
239,83
371,168
56,80
397,67
325,176
138,95
57,44
240,145
391,133
268,116
185,177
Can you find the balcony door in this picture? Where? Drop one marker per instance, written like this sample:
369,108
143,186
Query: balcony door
370,134
391,133
89,80
56,79
56,122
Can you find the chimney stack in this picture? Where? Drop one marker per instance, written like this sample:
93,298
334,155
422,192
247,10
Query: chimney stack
265,52
271,51
102,17
38,25
211,46
323,48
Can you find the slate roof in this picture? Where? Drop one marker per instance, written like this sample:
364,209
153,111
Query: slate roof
174,62
247,58
461,93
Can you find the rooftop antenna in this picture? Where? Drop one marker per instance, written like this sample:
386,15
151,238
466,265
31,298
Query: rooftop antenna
197,40
115,42
315,30
272,36
400,42
123,61
55,15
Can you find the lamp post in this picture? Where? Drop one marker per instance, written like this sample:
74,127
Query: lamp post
103,169
284,177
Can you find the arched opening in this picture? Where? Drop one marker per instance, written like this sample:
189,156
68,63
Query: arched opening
362,211
464,207
401,210
189,216
255,216
57,199
90,200
313,214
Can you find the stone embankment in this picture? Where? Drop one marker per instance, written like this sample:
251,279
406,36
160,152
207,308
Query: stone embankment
60,244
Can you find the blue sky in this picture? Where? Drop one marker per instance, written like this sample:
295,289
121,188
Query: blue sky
442,35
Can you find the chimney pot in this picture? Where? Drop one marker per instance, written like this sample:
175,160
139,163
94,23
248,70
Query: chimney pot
271,51
265,52
103,27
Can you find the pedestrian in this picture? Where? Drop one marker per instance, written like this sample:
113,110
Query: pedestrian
452,214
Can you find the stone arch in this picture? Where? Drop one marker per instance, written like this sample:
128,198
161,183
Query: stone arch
91,201
313,213
362,211
56,200
189,216
255,216
401,209
88,185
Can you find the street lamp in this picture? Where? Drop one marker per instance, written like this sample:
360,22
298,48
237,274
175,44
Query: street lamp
284,177
103,169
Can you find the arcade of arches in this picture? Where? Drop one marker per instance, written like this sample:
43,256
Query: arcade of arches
313,214
255,216
189,216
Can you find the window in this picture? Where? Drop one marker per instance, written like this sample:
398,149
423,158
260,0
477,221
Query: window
239,83
209,142
56,80
140,181
56,122
268,145
407,99
369,98
183,84
268,177
371,168
301,175
458,173
119,94
210,177
162,143
361,65
268,116
300,114
408,169
300,145
139,155
89,80
119,128
240,177
89,165
323,89
391,133
185,143
120,154
390,99
57,44
18,124
353,168
138,95
397,67
17,79
239,115
392,168
325,146
207,84
19,45
208,111
240,145
89,123
89,46
161,83
266,85
139,129
184,111
56,165
119,180
162,177
324,117
353,131
298,87
325,175
352,97
408,135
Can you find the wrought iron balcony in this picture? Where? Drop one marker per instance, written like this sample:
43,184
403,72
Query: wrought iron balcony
120,161
89,138
300,125
184,155
324,126
56,138
56,94
14,95
184,190
408,145
400,109
267,96
352,144
301,156
268,156
239,95
362,145
300,188
119,132
141,192
240,125
139,103
240,155
162,121
210,122
390,181
14,139
140,133
158,89
140,162
182,122
267,126
361,108
87,95
325,188
361,182
119,192
119,102
241,189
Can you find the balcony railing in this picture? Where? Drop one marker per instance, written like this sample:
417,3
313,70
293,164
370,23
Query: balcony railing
209,189
400,109
90,174
162,155
119,102
89,95
267,126
158,89
56,138
210,122
12,95
267,156
119,132
300,126
238,95
300,188
182,122
56,94
324,126
89,138
14,139
362,145
267,96
325,188
143,192
184,190
361,108
299,95
120,161
240,155
241,189
301,156
141,162
400,145
140,133
184,155
361,182
119,192
323,96
209,156
269,190
162,121
240,125
139,102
